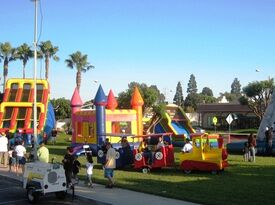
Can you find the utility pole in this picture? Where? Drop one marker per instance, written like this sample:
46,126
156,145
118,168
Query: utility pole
35,80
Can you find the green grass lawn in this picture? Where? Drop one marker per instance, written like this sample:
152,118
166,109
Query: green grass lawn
241,183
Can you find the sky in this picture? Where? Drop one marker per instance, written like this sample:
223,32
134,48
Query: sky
157,42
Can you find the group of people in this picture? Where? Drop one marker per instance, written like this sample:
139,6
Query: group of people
148,151
12,155
72,166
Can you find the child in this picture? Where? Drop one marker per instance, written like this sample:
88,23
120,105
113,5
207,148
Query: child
76,167
32,153
89,166
246,152
12,159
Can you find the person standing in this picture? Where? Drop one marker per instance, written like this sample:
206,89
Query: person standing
20,159
54,135
18,137
43,153
252,146
68,165
89,169
76,167
4,149
269,140
127,156
246,152
12,159
110,165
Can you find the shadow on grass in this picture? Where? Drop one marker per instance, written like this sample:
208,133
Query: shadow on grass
244,185
57,151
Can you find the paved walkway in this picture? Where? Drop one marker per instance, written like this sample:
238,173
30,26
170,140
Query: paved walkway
115,196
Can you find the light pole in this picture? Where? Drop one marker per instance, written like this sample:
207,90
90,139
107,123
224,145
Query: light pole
167,94
35,80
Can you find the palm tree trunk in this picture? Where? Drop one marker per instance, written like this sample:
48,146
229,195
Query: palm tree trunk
47,65
5,74
24,65
78,80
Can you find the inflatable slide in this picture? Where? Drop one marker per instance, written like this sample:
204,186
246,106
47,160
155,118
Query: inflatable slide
16,109
177,122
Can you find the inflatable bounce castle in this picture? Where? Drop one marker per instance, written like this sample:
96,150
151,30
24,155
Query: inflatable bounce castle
93,126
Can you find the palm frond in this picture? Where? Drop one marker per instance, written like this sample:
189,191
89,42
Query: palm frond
69,63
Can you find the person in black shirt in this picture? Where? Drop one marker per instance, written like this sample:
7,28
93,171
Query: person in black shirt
68,165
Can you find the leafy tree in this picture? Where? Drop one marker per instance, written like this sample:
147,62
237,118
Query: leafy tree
47,51
178,98
151,95
206,98
62,108
236,87
24,53
232,98
235,94
88,104
7,54
158,114
80,62
257,96
192,99
192,85
207,91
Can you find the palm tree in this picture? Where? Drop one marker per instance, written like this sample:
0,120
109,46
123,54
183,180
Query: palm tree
78,61
47,51
24,53
7,54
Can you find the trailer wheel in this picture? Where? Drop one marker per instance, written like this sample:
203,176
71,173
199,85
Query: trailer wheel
33,196
214,172
186,171
60,194
145,170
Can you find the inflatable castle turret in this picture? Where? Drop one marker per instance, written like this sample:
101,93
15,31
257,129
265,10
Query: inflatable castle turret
137,103
76,104
111,101
100,103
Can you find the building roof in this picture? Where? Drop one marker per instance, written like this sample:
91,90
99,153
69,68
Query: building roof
223,107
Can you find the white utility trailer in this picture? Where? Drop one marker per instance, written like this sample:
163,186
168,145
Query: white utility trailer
40,178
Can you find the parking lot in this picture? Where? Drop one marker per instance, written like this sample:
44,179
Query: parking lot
11,192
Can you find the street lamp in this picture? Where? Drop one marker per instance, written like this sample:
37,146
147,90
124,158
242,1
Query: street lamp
35,80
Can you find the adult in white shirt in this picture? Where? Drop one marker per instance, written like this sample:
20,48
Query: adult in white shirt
110,165
4,149
20,159
187,147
